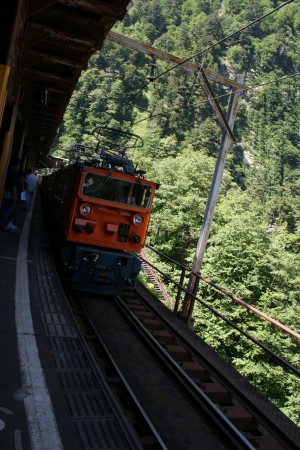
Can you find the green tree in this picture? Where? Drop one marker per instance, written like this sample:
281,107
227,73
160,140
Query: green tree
253,248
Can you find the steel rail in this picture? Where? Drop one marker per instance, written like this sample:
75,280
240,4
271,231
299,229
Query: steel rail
122,419
109,356
202,402
247,399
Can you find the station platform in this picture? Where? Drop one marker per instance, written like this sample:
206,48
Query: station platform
49,399
32,408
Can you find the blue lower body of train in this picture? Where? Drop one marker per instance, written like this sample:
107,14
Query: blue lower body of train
98,270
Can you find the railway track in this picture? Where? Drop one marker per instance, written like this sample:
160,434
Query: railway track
150,382
172,396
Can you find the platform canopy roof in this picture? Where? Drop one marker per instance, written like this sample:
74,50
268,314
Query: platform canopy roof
51,45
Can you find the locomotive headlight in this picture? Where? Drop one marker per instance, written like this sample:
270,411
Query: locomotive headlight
85,209
137,220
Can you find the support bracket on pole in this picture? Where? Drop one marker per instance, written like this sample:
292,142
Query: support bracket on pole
202,78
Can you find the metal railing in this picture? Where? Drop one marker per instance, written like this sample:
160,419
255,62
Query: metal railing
181,289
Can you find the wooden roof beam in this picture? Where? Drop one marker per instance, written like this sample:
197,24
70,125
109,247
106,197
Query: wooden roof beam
54,59
62,35
96,7
52,76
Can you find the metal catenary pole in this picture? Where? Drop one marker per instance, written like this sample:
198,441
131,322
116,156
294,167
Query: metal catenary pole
188,304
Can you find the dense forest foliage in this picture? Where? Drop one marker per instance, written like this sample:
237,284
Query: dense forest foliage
254,244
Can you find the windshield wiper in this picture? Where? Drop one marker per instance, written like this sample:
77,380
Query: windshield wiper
106,179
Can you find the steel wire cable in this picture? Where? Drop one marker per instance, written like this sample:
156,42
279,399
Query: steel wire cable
203,52
226,37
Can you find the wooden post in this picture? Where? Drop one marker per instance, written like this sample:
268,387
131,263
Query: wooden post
4,74
6,150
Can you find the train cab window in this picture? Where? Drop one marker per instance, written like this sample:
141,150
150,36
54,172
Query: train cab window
116,190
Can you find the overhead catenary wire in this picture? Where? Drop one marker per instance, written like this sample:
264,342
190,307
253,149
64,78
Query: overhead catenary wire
130,99
203,52
226,37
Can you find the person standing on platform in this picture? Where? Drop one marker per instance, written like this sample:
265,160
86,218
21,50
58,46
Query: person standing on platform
22,189
10,196
31,180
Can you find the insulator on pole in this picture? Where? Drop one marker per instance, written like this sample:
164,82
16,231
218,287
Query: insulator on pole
152,72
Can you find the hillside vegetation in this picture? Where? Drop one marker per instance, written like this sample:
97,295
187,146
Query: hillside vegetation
254,244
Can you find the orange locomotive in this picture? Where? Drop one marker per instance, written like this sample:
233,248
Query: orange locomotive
103,216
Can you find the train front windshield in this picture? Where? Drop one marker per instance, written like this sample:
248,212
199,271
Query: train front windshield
106,187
